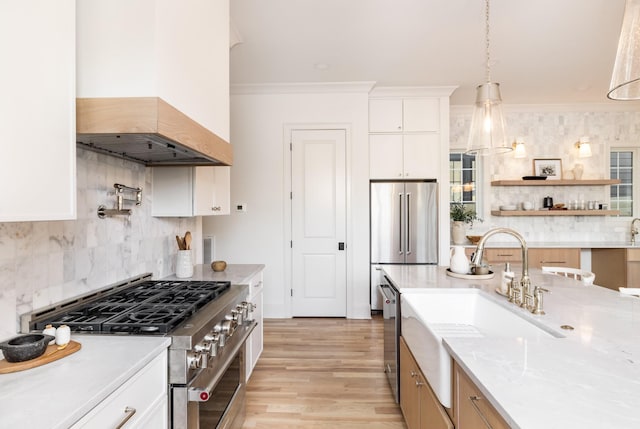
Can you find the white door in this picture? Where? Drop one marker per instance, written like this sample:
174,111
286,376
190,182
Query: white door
318,223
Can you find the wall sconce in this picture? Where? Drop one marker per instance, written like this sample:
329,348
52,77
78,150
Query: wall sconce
584,147
519,150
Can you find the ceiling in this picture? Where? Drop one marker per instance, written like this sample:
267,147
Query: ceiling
542,51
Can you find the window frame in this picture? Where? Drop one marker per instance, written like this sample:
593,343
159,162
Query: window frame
478,182
635,177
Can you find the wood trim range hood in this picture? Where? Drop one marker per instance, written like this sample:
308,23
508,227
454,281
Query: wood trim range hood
147,130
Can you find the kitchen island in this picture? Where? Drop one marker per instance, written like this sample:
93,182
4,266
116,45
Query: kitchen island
60,393
587,378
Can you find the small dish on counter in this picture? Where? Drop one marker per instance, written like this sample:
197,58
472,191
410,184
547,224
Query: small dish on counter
474,238
470,276
508,208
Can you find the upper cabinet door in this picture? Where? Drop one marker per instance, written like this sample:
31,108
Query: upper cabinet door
421,114
385,115
37,106
175,50
397,115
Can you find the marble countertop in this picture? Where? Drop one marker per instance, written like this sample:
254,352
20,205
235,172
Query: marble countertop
58,394
560,245
590,378
235,273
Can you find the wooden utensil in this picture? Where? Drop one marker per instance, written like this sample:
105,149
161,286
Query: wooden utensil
180,243
187,241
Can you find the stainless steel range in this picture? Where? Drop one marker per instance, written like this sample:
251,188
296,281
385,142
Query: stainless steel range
208,322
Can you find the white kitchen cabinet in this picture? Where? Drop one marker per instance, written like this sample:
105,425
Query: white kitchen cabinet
411,156
190,191
178,51
141,401
255,342
38,163
396,115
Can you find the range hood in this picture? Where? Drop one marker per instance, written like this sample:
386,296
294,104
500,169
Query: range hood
147,130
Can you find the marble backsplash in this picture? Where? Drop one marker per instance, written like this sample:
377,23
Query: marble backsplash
42,263
551,132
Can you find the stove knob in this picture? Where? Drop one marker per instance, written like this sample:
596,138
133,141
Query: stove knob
249,305
244,309
204,347
236,316
213,339
222,337
228,327
194,360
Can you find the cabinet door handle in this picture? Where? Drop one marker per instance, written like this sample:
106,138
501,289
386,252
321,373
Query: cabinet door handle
473,400
216,208
129,412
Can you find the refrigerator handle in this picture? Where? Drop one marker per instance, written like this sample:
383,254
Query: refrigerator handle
408,237
400,224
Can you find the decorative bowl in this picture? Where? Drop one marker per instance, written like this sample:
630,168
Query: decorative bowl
474,238
25,347
218,265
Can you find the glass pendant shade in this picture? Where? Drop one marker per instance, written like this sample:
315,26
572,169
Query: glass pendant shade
625,80
487,135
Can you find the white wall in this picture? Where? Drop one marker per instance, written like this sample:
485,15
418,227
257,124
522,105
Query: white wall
259,118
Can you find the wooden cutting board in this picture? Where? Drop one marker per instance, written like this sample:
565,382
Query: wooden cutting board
51,354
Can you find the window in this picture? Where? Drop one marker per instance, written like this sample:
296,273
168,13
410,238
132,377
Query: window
621,167
463,179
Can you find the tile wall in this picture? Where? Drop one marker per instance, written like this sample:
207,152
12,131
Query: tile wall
550,132
46,262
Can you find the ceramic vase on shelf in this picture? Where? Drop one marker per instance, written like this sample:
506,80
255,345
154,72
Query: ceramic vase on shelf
184,264
578,169
458,232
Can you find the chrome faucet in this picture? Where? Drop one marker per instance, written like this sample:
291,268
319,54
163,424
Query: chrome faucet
519,296
477,257
634,230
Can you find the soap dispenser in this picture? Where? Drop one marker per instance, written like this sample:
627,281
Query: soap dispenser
507,277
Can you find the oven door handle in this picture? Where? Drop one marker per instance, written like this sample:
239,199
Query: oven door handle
198,394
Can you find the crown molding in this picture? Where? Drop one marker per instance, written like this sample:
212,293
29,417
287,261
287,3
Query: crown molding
302,88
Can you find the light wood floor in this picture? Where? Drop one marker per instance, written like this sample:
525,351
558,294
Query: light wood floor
321,373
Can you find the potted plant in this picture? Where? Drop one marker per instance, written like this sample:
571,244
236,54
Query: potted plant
460,217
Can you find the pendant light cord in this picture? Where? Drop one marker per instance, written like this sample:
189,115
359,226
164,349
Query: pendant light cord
486,17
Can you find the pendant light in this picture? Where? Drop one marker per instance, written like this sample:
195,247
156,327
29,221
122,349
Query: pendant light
487,135
625,80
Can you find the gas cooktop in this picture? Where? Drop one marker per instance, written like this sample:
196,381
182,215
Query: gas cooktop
148,307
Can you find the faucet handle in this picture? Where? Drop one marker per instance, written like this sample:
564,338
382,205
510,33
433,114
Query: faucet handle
537,300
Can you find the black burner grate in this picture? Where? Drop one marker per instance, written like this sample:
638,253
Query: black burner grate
149,307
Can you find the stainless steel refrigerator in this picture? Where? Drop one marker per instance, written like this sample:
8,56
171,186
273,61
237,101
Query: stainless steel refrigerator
404,226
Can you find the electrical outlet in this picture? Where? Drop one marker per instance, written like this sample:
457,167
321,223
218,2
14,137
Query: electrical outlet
242,207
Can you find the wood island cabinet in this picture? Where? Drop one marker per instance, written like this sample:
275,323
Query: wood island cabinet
616,268
538,256
419,405
471,409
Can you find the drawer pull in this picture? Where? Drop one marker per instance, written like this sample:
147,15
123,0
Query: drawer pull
505,254
129,412
473,400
